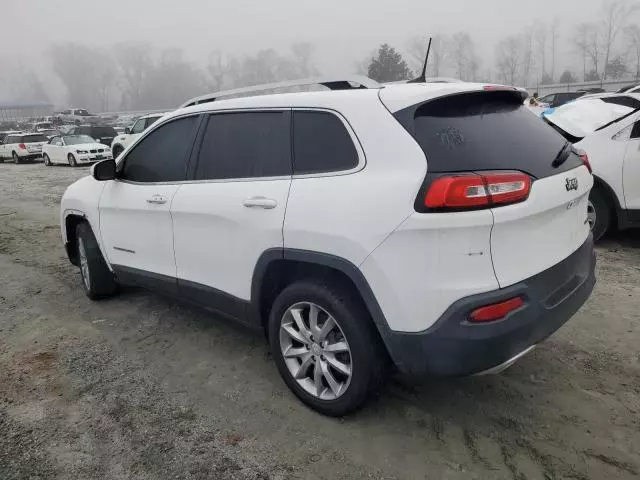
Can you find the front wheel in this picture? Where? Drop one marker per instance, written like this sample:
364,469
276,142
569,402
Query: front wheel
16,158
46,159
325,347
97,279
72,160
598,213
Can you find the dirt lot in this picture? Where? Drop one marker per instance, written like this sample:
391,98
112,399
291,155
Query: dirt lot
142,387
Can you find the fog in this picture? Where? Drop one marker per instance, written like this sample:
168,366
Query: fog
343,35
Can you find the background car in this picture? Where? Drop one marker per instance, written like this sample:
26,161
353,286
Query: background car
123,141
74,150
77,116
556,99
102,133
21,147
607,129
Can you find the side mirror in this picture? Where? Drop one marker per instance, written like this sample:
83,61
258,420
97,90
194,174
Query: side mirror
127,130
104,170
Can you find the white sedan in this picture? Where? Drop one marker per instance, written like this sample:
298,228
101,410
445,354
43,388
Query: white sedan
74,150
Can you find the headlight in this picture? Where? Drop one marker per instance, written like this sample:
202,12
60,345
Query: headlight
82,151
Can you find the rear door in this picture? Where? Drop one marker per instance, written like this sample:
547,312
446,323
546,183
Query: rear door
234,209
483,132
631,170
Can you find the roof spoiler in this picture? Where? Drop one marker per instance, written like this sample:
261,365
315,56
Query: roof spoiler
347,82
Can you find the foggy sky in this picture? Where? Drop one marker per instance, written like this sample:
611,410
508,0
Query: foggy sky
343,31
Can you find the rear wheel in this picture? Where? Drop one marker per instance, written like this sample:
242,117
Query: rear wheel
598,213
325,348
97,279
72,160
46,159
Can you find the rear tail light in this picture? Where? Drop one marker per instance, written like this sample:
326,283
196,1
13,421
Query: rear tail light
22,146
496,311
585,159
475,190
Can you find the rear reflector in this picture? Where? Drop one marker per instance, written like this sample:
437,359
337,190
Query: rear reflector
496,311
486,190
585,159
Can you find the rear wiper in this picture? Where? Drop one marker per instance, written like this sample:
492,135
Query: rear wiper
561,157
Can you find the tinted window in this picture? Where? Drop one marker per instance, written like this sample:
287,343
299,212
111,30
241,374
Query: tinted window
162,155
486,131
97,132
34,138
11,139
244,145
138,127
321,143
150,121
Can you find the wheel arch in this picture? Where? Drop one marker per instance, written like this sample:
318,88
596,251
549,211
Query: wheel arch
614,202
71,222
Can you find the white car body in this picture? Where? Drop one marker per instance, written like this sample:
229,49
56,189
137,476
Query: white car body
418,270
58,150
77,116
124,140
613,151
22,146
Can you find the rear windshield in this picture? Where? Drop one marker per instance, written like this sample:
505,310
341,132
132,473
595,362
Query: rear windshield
587,115
97,132
485,131
34,138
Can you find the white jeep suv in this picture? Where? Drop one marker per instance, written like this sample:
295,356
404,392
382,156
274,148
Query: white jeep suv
132,133
441,228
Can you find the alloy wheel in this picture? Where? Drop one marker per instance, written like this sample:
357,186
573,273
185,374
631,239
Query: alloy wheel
315,351
591,214
84,264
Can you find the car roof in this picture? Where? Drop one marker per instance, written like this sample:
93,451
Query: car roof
394,96
149,115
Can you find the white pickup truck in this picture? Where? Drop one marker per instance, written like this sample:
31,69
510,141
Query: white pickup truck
77,116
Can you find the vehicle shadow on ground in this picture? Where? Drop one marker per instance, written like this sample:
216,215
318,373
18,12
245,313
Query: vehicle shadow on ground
624,239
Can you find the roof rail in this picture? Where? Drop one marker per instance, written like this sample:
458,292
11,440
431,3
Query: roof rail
333,83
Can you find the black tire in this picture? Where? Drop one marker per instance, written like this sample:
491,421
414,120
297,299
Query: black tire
101,283
601,208
16,158
46,160
72,160
368,357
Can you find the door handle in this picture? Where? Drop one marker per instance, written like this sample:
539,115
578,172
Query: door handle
157,199
260,202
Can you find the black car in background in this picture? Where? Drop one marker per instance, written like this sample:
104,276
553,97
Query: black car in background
557,99
100,133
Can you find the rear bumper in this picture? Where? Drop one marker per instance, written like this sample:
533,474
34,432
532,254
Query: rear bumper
454,346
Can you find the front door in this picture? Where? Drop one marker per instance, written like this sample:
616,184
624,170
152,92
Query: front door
135,218
631,170
235,210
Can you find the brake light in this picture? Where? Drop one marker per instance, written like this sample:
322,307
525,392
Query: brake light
496,311
585,159
498,88
22,146
486,190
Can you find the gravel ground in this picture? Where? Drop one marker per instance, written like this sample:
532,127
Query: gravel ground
142,387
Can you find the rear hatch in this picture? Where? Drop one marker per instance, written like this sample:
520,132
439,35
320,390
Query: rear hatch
34,142
491,135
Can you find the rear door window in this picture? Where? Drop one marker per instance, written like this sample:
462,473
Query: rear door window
34,138
321,143
484,131
245,145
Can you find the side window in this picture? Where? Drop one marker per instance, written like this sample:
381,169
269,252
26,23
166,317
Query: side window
150,121
635,132
59,142
245,145
162,155
11,139
138,127
66,112
321,143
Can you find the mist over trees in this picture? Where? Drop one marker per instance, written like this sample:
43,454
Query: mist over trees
137,76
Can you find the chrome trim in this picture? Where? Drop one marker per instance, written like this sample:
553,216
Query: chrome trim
503,366
126,250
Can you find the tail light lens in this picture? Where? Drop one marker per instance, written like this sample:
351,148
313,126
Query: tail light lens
585,159
22,146
496,311
475,190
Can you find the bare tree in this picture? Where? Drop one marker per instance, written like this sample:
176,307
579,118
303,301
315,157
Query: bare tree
527,55
136,65
218,68
632,35
417,50
463,55
303,58
541,32
69,59
616,13
581,43
594,46
508,58
553,33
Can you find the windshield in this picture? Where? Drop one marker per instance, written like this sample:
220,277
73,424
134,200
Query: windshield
82,113
34,138
585,116
77,139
